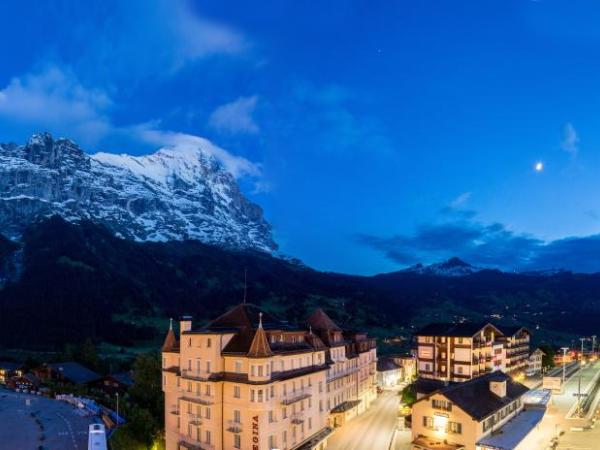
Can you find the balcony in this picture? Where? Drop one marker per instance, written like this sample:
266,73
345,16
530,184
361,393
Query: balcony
189,443
297,418
196,397
296,396
196,375
234,426
174,410
194,419
341,373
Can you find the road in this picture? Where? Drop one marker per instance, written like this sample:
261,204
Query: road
54,425
371,430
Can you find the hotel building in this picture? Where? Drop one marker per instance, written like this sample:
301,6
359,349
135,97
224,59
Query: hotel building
462,351
249,381
458,351
468,415
516,348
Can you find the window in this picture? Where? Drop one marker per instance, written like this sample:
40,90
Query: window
271,442
260,371
428,422
252,395
207,412
208,437
236,392
209,343
207,390
237,441
252,370
260,395
208,366
455,427
310,423
238,367
284,414
237,416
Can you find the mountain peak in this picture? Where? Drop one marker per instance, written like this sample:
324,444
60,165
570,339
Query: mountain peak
173,194
453,267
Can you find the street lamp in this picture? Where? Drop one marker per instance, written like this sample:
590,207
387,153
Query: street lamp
564,349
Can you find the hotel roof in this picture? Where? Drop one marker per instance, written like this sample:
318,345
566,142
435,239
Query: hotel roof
465,329
246,315
475,397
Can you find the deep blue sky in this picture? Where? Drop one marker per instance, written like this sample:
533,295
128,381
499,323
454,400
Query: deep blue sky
385,133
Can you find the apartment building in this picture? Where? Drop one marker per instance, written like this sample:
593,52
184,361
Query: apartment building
535,362
458,351
462,416
516,342
250,381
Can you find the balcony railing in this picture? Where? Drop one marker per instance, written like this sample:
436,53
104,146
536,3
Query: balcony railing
234,426
195,375
174,410
194,419
296,396
189,443
297,418
341,373
196,397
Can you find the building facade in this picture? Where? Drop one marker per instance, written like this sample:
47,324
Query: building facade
249,381
534,362
459,416
458,352
516,342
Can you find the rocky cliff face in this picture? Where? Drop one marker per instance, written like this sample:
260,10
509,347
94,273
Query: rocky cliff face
169,195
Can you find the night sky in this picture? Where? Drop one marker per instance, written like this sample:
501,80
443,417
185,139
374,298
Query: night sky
375,134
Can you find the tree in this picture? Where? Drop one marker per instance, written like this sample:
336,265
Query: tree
409,394
548,358
147,390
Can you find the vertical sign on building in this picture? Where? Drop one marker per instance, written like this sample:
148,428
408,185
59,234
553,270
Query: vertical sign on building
255,433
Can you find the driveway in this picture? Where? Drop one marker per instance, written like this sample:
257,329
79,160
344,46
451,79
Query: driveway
371,430
28,422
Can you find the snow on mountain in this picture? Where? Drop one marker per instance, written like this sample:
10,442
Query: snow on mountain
454,267
173,194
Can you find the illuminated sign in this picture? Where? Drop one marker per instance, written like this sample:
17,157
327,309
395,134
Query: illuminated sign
255,433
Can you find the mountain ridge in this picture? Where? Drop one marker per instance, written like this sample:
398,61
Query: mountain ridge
172,194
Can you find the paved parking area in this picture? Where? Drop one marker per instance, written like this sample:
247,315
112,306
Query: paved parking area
63,427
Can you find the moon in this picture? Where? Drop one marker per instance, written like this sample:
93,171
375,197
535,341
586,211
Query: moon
539,166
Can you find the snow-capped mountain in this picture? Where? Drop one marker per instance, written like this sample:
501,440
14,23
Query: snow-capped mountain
173,194
454,267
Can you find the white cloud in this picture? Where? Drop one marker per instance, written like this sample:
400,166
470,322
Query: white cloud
570,140
53,98
235,117
460,200
236,165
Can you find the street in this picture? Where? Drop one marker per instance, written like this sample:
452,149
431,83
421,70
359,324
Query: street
373,429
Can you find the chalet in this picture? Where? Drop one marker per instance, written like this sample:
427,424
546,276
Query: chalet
67,372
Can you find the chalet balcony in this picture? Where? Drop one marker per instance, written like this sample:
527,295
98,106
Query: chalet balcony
174,410
296,396
234,427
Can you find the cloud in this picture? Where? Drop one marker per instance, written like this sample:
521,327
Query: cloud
488,245
235,117
570,140
54,98
460,200
236,165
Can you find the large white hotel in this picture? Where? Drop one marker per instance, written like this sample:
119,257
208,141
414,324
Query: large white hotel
249,381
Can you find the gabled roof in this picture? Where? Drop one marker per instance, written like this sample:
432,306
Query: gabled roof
320,321
511,330
259,348
246,315
476,399
465,329
74,372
